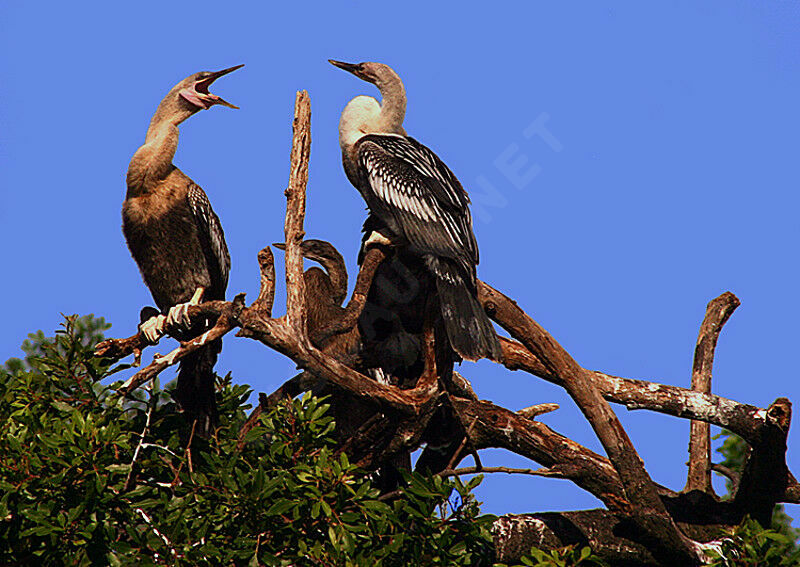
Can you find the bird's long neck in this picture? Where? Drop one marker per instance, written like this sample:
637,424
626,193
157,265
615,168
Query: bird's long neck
152,162
337,272
393,105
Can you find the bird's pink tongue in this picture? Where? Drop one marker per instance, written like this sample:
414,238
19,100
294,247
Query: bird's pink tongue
194,98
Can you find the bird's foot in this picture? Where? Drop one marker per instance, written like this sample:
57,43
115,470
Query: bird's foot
153,328
178,315
376,237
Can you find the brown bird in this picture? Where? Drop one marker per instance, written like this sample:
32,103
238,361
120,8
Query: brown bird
325,292
177,240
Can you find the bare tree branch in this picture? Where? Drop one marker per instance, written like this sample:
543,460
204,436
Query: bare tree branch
266,295
495,426
732,475
150,407
114,349
743,419
647,510
507,470
766,477
295,213
718,312
532,411
642,516
226,321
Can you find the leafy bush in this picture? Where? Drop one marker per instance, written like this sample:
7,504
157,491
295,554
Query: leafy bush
569,556
753,546
89,478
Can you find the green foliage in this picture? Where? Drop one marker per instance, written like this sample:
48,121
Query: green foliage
89,478
569,556
752,545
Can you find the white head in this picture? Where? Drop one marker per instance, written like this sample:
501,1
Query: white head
364,115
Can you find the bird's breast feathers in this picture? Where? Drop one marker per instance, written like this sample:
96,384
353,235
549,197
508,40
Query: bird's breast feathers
161,200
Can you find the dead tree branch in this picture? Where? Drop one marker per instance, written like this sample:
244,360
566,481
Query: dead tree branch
646,510
743,419
644,523
226,313
266,294
766,477
506,470
532,411
718,312
295,213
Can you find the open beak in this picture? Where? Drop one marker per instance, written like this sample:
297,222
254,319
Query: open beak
200,96
354,68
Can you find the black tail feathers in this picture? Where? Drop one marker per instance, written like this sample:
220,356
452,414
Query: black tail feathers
196,391
468,327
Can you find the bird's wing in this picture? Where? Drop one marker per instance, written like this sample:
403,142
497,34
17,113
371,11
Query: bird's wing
211,236
423,195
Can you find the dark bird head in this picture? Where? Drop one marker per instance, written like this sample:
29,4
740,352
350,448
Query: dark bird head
316,250
328,257
192,95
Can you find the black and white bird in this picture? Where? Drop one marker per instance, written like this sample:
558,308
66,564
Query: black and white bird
419,207
177,240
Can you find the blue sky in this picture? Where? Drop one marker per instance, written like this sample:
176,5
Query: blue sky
628,163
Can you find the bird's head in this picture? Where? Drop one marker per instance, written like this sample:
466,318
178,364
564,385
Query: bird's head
190,96
316,250
194,89
363,115
378,74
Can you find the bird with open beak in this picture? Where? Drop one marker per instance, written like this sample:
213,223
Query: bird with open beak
177,240
195,88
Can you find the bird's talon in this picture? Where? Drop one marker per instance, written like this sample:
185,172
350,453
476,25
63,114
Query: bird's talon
376,237
153,328
175,319
183,315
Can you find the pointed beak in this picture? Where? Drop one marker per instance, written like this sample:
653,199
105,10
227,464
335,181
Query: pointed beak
354,68
203,86
279,245
219,74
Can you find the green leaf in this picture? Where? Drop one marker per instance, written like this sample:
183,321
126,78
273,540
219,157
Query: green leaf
62,406
280,507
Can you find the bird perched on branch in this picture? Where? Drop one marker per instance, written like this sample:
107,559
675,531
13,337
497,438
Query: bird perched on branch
177,240
326,290
419,208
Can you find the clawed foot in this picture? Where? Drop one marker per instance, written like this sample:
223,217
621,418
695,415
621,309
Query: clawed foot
178,316
153,328
376,237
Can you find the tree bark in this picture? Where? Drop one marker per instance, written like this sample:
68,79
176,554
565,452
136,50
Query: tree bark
718,312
